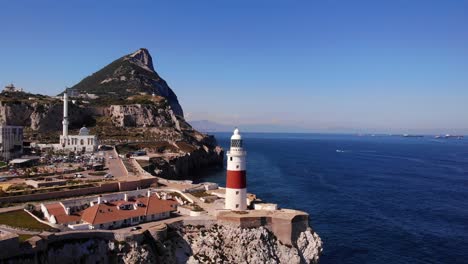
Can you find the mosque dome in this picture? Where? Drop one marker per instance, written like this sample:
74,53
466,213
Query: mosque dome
84,131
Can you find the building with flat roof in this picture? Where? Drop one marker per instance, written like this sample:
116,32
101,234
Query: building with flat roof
11,141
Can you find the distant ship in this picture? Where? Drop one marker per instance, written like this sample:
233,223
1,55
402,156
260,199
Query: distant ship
449,136
408,135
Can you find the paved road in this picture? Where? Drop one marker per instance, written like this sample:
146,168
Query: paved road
17,231
13,208
115,164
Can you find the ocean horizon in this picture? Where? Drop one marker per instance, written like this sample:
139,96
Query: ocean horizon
372,199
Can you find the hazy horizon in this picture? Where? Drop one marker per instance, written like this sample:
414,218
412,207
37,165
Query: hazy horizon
272,128
325,67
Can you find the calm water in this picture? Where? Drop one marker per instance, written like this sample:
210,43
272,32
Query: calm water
381,200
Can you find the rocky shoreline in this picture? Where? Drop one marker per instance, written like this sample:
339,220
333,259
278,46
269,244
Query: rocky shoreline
179,244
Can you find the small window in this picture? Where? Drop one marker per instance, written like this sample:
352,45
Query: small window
237,192
237,166
237,205
230,158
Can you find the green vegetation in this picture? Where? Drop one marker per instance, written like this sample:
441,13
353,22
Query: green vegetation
19,97
24,237
21,219
117,91
154,146
185,147
18,187
6,204
200,194
197,208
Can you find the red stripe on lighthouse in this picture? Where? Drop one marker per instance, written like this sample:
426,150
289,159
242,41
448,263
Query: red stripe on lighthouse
236,180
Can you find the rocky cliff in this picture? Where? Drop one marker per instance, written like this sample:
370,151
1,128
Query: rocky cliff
183,244
45,115
127,76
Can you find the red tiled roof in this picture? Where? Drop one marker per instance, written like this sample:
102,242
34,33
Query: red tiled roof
155,205
106,213
57,210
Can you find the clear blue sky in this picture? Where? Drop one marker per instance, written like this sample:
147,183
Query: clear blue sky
387,66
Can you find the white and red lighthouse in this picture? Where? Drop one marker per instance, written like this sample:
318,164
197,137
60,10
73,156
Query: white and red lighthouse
236,183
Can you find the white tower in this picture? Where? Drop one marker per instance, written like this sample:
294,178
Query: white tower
236,184
65,116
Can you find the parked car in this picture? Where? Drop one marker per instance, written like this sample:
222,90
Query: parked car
2,179
135,228
78,175
108,176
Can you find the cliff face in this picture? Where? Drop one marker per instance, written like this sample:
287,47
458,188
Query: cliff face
138,115
224,244
184,244
42,116
187,164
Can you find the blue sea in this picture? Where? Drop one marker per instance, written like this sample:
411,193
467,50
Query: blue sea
381,199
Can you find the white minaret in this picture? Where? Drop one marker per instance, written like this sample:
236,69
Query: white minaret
236,183
65,116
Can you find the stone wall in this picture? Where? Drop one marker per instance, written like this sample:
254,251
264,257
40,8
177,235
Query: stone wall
133,185
287,226
103,188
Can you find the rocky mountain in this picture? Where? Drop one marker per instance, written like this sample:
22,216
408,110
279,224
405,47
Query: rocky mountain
128,76
125,102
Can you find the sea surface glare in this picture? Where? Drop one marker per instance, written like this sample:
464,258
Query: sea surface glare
382,199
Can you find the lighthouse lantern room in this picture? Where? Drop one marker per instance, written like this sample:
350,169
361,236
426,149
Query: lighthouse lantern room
236,184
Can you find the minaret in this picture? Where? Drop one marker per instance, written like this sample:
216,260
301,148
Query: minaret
236,192
65,116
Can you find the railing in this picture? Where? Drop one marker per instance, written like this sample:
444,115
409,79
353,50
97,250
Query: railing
237,153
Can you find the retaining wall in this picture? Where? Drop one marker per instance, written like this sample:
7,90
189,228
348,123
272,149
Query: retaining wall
104,188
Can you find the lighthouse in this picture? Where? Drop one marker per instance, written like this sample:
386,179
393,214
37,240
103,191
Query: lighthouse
236,184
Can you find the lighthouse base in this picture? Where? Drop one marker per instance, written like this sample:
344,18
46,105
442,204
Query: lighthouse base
236,199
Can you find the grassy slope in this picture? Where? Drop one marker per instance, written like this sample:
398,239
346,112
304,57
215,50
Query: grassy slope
21,219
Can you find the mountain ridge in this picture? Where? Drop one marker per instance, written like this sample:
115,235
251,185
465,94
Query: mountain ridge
129,75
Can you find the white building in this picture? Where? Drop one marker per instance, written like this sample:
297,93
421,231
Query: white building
83,142
12,89
11,141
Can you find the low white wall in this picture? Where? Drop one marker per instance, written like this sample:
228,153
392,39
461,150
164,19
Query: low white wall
266,206
79,227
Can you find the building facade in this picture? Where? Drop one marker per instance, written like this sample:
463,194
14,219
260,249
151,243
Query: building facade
11,142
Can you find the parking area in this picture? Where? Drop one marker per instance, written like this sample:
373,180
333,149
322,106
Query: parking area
61,170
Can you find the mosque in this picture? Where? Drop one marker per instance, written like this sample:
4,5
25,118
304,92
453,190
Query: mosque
83,142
